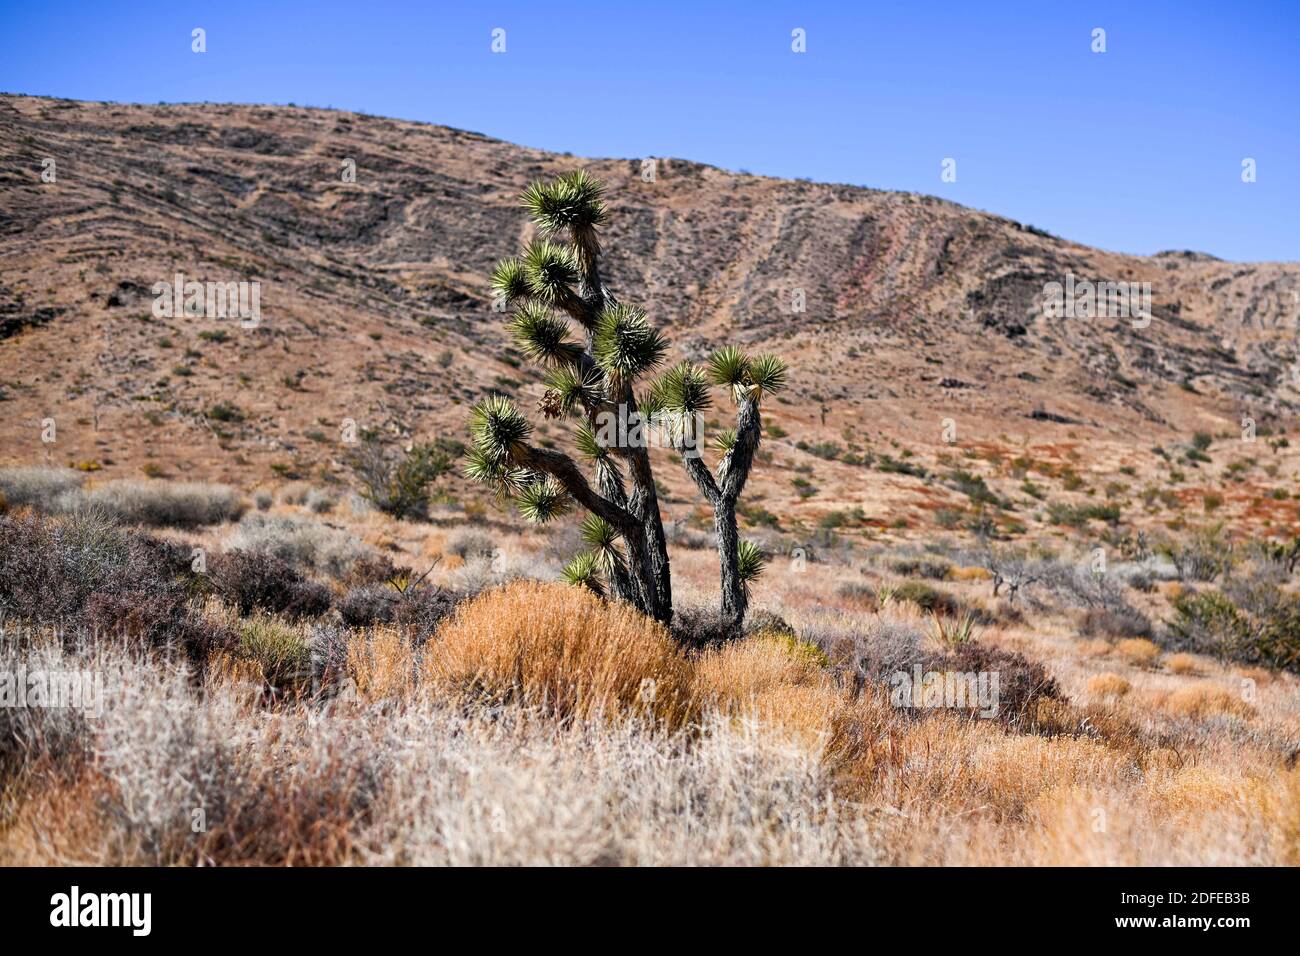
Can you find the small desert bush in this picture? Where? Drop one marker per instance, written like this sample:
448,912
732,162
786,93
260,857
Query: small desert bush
165,504
870,648
1200,701
561,649
738,672
315,500
416,611
368,605
857,592
398,482
300,541
253,580
1138,651
51,490
1119,622
1203,554
1023,684
935,569
468,543
1108,685
87,575
1096,647
1182,664
696,628
376,568
927,598
1262,626
271,651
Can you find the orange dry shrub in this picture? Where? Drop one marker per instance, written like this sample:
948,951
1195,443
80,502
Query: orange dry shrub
970,574
381,663
1183,664
1200,701
563,650
1138,651
773,679
1108,685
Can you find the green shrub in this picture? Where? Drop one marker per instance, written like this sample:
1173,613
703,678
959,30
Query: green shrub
927,598
935,569
1209,622
398,483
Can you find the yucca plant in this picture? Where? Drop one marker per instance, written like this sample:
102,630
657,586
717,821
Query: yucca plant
593,376
954,632
679,398
552,286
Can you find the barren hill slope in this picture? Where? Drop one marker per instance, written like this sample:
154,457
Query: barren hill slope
375,308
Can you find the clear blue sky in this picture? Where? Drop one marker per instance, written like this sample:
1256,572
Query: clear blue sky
1138,149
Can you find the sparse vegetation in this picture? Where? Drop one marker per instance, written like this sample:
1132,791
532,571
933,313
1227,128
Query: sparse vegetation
398,482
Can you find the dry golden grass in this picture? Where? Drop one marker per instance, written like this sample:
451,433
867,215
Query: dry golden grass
382,664
1199,701
1108,685
970,574
1183,664
739,671
564,650
1138,651
773,680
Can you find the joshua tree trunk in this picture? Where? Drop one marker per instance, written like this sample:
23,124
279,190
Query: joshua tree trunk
734,600
723,494
649,560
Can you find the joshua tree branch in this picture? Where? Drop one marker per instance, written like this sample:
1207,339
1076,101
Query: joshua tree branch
566,472
733,470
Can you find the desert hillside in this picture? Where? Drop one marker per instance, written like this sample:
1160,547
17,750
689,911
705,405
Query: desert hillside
1020,588
376,309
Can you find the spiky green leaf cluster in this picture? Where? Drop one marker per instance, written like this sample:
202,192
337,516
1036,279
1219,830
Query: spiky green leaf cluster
746,377
599,533
625,345
543,337
768,374
682,389
676,400
505,476
551,272
575,388
543,501
499,429
589,444
729,366
509,281
575,202
584,571
725,440
591,448
751,562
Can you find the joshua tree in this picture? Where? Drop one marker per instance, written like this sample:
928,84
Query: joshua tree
557,279
594,381
680,396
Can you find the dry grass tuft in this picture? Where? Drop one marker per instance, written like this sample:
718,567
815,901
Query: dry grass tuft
1097,647
1108,685
1199,701
563,650
1138,651
1183,664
